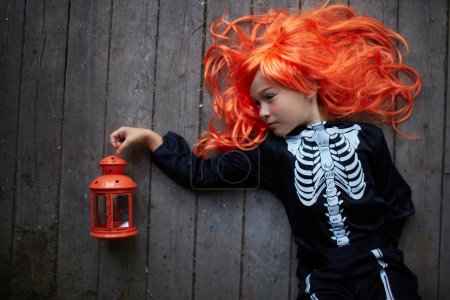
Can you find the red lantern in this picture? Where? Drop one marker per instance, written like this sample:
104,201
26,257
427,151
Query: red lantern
112,201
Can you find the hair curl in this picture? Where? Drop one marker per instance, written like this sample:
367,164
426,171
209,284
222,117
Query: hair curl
351,61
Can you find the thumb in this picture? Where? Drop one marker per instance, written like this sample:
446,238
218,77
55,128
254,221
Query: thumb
122,147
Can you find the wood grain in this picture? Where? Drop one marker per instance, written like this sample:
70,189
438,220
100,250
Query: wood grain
172,214
123,265
38,150
420,161
82,147
11,34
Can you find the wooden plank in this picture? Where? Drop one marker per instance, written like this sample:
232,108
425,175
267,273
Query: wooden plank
260,6
386,12
176,108
421,161
123,264
307,4
267,257
11,30
219,219
408,243
83,138
294,282
39,143
269,254
218,251
444,255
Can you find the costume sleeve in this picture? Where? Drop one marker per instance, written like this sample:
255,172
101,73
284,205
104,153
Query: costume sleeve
393,188
236,168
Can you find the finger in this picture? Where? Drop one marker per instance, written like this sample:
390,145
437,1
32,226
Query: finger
117,137
112,139
122,147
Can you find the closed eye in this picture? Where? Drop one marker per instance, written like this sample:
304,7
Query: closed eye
269,97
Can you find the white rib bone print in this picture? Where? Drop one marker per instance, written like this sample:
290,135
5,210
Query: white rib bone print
326,160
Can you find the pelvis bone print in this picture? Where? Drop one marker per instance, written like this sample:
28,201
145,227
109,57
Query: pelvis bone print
326,160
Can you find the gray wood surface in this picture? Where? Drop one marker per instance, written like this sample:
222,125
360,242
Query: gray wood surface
269,253
11,28
122,269
82,147
172,214
420,161
73,71
444,236
38,150
220,215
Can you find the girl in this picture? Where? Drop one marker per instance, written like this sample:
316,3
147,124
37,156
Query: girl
283,87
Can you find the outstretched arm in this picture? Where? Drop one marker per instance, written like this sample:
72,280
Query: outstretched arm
173,155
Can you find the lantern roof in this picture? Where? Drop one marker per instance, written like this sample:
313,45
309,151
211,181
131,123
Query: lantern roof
112,182
112,165
112,178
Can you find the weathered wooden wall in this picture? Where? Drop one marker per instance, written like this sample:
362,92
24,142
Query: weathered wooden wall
71,71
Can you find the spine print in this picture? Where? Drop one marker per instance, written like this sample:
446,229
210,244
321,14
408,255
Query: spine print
335,218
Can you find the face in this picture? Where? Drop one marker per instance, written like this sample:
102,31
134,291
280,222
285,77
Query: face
281,108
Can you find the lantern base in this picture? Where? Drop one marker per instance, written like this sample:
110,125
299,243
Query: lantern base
111,234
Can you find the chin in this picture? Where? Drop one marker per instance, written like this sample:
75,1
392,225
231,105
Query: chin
277,132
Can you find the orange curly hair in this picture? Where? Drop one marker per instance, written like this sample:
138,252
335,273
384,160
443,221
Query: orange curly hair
350,61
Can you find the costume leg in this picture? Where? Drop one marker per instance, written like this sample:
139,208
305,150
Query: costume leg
388,278
325,284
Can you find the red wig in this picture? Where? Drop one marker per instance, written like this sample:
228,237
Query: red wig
351,61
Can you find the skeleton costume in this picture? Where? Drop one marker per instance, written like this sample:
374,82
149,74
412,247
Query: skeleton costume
343,196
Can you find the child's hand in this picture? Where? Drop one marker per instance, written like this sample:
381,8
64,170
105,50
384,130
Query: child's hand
123,137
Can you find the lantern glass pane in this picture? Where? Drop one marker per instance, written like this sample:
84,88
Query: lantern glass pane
100,210
120,209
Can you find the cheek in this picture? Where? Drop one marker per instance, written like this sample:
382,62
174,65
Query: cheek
277,108
298,108
284,111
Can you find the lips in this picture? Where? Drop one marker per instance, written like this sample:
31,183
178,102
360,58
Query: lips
272,124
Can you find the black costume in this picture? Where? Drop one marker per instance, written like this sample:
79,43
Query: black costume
344,198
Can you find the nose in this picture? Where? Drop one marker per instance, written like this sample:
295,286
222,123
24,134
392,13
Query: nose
264,111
